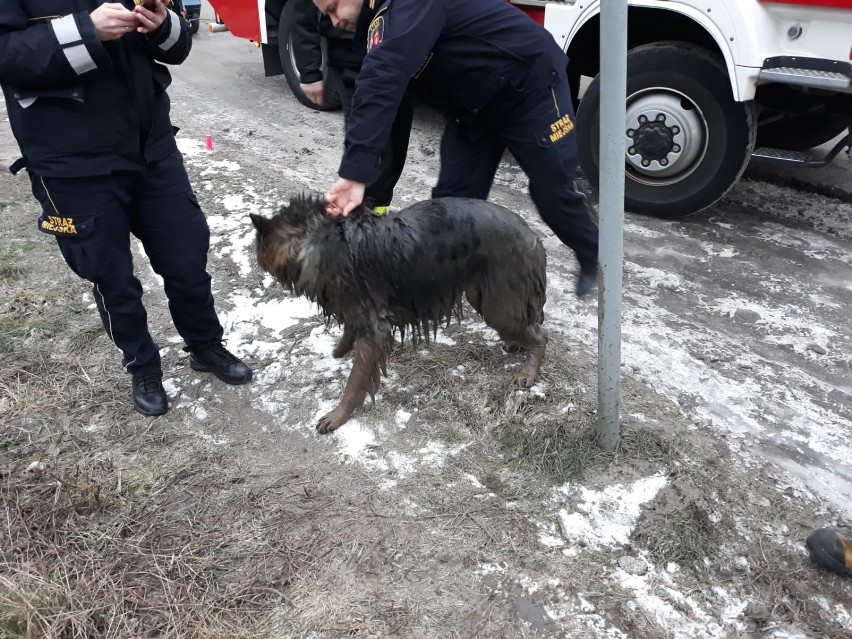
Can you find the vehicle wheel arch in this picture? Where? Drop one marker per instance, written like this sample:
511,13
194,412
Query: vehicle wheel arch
648,25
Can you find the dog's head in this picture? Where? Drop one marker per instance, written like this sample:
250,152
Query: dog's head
280,239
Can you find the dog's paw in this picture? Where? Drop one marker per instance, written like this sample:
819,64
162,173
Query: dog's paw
343,347
345,343
330,422
513,347
527,376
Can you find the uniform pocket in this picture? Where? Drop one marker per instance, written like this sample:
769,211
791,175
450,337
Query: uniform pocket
75,93
77,226
556,131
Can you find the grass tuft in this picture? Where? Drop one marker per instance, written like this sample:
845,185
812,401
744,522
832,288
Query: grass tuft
685,537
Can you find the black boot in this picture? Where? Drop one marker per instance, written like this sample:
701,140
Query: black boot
587,281
212,357
831,551
149,396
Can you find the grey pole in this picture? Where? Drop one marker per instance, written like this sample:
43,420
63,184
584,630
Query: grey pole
613,58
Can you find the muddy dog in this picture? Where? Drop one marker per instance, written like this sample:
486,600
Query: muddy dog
407,271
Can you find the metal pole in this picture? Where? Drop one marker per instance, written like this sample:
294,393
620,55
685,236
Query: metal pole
613,58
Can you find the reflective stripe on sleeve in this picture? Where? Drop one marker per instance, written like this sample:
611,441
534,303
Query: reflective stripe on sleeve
80,59
174,32
66,30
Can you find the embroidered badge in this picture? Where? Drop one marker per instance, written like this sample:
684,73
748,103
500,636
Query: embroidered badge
58,225
562,127
375,33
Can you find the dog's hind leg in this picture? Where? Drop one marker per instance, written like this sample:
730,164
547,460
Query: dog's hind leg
474,298
347,341
370,355
511,324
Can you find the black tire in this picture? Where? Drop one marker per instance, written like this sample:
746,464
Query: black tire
193,26
331,98
797,132
699,148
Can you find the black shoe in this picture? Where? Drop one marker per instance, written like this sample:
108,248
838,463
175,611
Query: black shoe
830,551
587,282
149,396
212,357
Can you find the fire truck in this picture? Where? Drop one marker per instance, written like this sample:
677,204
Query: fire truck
711,85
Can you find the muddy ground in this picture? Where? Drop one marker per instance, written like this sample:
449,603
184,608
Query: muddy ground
457,505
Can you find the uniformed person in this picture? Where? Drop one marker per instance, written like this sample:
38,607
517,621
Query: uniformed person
502,81
86,96
342,67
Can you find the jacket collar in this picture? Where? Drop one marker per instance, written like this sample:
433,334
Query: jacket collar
368,11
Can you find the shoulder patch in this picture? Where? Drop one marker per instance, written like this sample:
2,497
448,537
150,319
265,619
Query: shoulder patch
376,32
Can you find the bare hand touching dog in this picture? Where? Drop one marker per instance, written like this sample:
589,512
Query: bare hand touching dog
344,197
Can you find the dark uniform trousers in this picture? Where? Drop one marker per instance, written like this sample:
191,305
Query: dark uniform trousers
394,153
532,124
158,206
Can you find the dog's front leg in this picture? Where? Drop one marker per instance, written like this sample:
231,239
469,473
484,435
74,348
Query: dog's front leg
364,378
535,341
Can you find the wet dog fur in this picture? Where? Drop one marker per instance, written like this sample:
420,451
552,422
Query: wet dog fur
407,271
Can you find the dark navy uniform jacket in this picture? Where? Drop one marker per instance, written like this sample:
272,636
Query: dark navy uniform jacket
460,55
79,106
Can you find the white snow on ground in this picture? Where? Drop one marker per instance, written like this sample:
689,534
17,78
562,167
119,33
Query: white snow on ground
655,347
605,518
655,351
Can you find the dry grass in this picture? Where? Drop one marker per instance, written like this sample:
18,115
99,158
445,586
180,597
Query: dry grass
43,387
119,533
11,267
94,550
684,537
29,314
551,436
334,602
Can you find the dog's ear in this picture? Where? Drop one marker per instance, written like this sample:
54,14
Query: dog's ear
262,224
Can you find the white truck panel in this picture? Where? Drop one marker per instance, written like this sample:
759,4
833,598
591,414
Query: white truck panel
746,31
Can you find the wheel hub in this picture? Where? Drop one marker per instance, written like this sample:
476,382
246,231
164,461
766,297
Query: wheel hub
654,141
665,136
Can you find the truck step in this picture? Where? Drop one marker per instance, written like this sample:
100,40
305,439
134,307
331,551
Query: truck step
831,80
769,155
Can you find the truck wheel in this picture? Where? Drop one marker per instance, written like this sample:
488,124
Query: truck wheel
686,140
285,40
